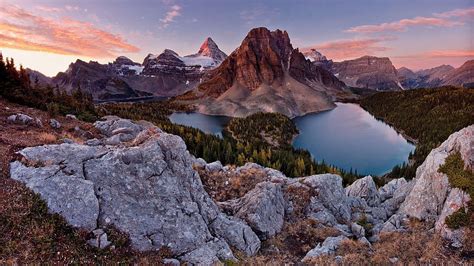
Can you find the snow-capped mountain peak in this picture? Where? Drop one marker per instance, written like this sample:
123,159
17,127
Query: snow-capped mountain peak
210,49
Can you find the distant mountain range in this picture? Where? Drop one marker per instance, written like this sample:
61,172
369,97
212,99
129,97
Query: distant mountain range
164,75
265,73
438,76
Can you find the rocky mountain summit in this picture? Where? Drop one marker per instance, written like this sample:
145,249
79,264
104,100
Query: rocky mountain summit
266,74
318,59
145,183
165,75
377,73
210,49
444,75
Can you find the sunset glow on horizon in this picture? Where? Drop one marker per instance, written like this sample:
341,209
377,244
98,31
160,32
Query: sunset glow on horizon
49,35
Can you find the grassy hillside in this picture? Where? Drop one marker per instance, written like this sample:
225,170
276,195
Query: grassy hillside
427,115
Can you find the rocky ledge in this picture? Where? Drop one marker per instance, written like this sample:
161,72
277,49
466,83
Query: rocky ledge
145,183
140,180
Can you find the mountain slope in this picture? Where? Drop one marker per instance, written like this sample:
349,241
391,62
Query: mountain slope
266,74
377,73
426,78
462,76
444,75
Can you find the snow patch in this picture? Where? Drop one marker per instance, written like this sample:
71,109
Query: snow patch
203,61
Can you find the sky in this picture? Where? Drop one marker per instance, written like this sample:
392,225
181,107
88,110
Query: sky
47,35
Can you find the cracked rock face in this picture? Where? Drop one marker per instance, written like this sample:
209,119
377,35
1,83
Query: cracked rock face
431,187
366,189
263,208
143,184
431,197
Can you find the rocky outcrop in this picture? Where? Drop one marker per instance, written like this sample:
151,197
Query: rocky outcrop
366,189
22,119
377,73
318,59
140,180
263,208
266,74
328,247
432,198
143,182
431,187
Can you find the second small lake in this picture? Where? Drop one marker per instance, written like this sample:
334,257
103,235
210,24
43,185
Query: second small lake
347,137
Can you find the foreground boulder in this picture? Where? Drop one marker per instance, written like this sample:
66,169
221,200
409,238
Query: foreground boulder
432,198
263,208
140,180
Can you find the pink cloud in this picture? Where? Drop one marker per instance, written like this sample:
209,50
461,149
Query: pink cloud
20,29
451,53
173,12
403,24
433,58
351,48
468,12
438,20
49,9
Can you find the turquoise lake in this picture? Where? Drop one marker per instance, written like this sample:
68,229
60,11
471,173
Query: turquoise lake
347,137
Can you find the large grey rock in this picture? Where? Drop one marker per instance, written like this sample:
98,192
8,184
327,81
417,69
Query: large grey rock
236,233
146,188
357,230
214,166
21,119
389,189
263,208
426,200
209,253
54,123
329,246
330,199
366,189
392,204
69,195
456,200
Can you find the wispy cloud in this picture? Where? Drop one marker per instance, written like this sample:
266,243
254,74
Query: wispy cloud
258,13
49,9
437,20
173,12
20,29
467,12
428,59
451,53
440,54
351,48
403,24
57,9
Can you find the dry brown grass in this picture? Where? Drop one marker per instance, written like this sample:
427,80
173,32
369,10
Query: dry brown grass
47,138
223,186
300,196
